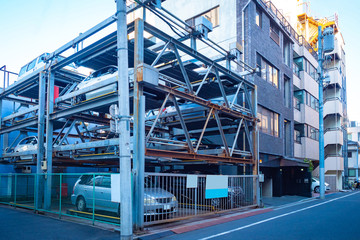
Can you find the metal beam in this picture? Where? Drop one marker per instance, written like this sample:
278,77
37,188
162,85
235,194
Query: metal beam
188,50
49,139
21,126
17,114
124,124
202,82
183,125
223,138
182,68
138,129
83,107
221,86
236,137
160,54
203,131
87,145
157,117
40,147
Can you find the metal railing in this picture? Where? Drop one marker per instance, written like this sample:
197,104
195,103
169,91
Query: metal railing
93,196
8,77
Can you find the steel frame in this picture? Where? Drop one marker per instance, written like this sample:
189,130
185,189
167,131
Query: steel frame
178,86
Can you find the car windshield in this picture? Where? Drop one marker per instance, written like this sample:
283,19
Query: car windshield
102,72
31,140
31,64
22,70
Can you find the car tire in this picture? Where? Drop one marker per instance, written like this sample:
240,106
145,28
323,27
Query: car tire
317,189
81,204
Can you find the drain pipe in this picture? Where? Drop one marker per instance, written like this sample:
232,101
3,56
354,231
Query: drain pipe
243,30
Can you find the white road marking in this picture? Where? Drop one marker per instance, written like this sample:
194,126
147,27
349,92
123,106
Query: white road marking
270,219
294,204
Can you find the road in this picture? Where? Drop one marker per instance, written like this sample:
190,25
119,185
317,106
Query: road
336,217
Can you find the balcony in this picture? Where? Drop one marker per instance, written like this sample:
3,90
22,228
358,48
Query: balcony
333,106
305,114
308,148
333,136
334,77
334,163
309,84
296,80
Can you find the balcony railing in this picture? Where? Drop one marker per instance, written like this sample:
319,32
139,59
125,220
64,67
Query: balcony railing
288,28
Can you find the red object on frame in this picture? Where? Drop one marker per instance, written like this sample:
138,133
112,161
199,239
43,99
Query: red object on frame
56,92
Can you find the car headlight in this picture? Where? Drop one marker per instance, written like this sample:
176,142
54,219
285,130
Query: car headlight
149,200
173,199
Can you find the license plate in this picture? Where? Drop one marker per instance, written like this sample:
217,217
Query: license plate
167,207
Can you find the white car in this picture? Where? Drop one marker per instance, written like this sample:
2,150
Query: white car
99,76
315,185
38,65
27,144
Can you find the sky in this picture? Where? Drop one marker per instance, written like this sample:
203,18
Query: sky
29,28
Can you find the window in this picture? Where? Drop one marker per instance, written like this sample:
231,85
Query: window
258,17
268,72
269,121
358,136
352,173
297,136
312,102
312,132
287,92
349,154
286,52
349,136
275,33
212,15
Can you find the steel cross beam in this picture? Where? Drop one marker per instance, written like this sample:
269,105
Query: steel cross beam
204,128
203,102
157,118
236,137
160,54
223,138
203,80
183,125
247,133
196,55
221,86
21,126
195,157
182,68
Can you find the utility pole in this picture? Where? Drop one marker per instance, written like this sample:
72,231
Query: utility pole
124,124
321,113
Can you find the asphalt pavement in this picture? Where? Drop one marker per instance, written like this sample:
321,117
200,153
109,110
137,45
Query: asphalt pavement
23,225
336,217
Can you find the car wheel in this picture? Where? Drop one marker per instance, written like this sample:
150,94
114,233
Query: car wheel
81,204
317,189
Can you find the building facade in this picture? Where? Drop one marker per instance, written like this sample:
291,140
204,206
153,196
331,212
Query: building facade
267,45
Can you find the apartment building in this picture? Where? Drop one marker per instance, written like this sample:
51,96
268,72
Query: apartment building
266,44
335,106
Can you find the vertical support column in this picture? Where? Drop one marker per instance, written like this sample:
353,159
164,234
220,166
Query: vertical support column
139,130
124,123
40,149
255,140
49,138
321,117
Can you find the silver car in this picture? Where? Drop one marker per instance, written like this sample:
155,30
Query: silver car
27,144
157,201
